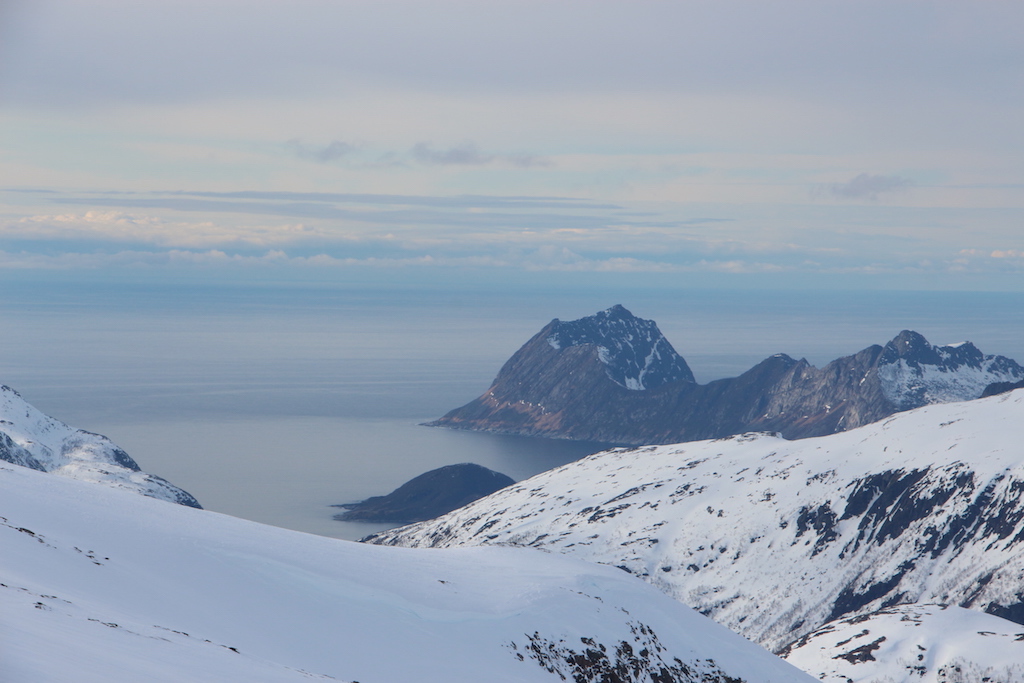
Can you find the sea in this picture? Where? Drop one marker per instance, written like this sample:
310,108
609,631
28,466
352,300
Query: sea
275,402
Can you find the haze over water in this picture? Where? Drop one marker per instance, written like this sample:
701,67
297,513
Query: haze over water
274,402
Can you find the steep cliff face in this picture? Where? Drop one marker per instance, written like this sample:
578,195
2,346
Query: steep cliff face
614,378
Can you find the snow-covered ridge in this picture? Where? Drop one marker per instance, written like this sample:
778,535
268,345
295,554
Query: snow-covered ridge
777,538
914,373
636,354
98,585
34,440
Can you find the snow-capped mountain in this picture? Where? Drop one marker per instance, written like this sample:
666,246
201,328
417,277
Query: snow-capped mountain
914,373
31,439
99,585
776,539
612,377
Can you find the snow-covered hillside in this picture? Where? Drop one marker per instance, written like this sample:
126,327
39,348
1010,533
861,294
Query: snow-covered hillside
921,643
31,439
777,538
100,585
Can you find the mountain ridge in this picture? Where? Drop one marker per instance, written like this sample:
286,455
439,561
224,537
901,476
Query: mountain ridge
556,390
32,439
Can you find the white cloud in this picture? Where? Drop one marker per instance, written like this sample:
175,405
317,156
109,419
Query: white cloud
126,227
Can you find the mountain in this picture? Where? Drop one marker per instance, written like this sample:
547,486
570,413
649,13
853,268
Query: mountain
914,373
777,539
429,495
614,378
31,439
100,585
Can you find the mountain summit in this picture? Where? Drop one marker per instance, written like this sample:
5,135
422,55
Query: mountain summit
635,353
566,376
914,373
613,377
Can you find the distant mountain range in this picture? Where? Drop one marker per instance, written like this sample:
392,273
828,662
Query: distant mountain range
614,378
893,552
34,440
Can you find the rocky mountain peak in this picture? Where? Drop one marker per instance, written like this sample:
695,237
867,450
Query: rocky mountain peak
911,347
634,351
914,372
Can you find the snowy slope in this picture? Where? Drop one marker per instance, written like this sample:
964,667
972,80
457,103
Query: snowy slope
32,439
100,585
775,538
921,643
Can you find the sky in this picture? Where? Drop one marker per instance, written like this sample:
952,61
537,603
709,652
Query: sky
731,143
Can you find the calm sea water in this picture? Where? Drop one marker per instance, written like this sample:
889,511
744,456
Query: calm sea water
272,403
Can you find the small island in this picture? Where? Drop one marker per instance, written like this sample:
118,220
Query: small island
427,496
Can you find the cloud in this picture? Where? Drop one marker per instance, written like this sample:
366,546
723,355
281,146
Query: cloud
332,152
458,201
309,210
469,154
118,226
868,186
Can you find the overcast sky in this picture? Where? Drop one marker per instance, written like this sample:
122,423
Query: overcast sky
855,144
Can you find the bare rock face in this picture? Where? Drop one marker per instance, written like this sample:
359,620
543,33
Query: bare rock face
614,378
